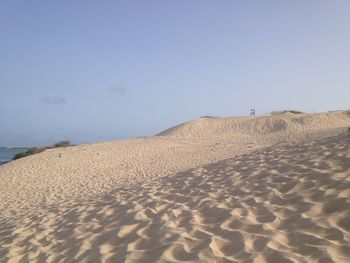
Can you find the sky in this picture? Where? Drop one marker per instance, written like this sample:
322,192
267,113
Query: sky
89,71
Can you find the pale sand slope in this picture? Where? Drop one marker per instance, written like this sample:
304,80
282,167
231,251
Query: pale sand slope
142,200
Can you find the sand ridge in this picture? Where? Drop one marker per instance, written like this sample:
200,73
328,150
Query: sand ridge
286,202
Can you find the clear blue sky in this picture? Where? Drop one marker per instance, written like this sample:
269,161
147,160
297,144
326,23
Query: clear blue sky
101,70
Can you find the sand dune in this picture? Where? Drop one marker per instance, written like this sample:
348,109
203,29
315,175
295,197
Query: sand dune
273,126
252,189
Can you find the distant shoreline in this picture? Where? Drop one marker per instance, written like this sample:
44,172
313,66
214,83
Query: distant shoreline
8,153
14,147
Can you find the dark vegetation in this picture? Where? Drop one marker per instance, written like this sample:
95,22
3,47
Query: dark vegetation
286,111
36,150
207,117
62,144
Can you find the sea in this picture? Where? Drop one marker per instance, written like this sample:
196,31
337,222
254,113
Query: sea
7,153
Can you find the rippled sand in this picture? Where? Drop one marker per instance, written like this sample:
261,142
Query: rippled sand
264,189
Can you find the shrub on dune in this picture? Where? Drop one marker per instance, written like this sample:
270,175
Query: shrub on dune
36,150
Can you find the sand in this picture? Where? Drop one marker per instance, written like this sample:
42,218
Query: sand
245,189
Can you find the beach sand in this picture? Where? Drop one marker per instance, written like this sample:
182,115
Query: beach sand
245,189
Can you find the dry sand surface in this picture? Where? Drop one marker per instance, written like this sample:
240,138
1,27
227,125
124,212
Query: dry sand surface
247,189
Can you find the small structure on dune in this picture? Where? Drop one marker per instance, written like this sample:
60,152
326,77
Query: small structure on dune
252,112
